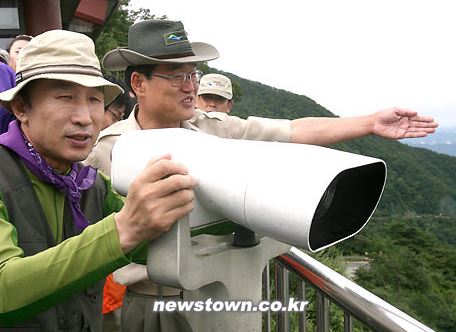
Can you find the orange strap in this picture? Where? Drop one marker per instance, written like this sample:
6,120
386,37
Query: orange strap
113,294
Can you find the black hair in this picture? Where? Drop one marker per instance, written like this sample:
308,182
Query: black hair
123,99
20,37
146,70
24,93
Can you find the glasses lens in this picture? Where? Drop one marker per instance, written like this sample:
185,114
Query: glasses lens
178,80
196,76
117,114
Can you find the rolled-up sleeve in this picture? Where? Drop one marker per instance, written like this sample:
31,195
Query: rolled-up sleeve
252,128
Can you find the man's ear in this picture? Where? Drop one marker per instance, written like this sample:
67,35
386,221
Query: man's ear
230,105
18,106
137,83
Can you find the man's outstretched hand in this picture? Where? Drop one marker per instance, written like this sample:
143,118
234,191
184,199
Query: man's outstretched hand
397,123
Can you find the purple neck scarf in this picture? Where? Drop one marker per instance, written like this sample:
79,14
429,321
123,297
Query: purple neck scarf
70,185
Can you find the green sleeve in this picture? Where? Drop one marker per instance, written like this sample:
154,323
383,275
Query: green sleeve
113,201
29,285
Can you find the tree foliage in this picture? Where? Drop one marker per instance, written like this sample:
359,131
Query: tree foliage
413,266
115,31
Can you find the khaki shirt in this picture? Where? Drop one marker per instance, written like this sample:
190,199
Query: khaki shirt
215,123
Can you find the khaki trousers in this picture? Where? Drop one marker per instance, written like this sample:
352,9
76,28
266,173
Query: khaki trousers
138,316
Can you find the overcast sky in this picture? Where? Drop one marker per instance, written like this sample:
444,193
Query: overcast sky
352,56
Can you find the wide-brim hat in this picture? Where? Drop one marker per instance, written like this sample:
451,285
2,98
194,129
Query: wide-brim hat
60,55
155,42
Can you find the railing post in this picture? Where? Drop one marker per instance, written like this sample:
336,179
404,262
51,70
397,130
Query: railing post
357,302
301,291
266,297
348,322
282,295
322,307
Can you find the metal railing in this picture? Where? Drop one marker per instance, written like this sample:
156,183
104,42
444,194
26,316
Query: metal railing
330,286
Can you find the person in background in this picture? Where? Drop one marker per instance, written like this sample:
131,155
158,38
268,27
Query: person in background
15,46
160,67
4,56
113,292
7,81
62,227
120,107
215,94
8,76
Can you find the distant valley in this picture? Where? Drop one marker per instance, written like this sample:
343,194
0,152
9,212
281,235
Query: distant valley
443,141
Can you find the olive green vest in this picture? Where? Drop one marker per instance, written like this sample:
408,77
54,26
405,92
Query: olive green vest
80,312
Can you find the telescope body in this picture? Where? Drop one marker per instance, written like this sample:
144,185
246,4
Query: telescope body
308,196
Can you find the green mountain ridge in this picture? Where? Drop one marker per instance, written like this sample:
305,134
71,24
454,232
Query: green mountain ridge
419,181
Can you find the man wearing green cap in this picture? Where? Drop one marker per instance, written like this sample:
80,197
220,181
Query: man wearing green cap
160,67
62,228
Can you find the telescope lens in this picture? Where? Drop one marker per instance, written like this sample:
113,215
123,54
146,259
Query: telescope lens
325,201
346,204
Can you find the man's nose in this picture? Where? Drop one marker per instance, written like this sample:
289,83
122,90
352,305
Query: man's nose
188,86
83,115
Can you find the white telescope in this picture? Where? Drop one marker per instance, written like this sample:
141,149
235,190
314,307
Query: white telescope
308,196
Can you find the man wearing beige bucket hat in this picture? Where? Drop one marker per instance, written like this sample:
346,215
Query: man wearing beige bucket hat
160,67
62,228
215,94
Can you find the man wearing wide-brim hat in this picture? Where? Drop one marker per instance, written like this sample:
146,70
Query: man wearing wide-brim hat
160,68
62,228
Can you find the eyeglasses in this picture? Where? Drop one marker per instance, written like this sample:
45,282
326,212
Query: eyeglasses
116,112
180,79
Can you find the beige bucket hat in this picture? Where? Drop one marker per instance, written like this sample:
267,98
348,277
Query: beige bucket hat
60,55
155,42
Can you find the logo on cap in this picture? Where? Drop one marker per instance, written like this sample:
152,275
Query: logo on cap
18,77
216,84
175,37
